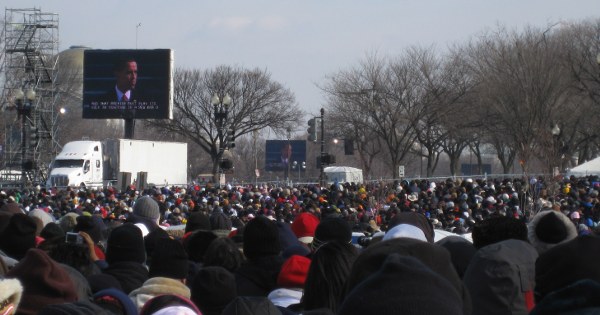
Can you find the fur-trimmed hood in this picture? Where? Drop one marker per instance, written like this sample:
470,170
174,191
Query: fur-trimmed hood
11,290
549,228
158,286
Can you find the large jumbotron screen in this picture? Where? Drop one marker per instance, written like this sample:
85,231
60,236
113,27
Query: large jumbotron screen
281,154
128,83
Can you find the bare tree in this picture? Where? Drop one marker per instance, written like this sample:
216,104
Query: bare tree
523,84
377,96
442,120
431,108
258,102
343,118
580,53
579,140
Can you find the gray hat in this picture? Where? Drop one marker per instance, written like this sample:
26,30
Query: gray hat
146,207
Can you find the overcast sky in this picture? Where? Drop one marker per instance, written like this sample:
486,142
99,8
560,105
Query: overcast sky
298,42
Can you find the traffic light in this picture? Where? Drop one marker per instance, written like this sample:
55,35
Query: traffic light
34,136
28,165
327,159
312,129
231,138
226,164
348,147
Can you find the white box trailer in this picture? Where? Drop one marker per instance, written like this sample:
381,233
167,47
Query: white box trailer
343,174
108,162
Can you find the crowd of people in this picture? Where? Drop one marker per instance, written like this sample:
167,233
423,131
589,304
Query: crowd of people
516,246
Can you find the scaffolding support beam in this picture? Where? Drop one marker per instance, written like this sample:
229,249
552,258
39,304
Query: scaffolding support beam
31,51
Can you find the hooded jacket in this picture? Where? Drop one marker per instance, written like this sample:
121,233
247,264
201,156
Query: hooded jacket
501,278
432,256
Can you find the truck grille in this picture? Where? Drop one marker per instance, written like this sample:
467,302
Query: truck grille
59,181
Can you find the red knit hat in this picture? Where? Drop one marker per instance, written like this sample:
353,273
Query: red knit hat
304,227
293,272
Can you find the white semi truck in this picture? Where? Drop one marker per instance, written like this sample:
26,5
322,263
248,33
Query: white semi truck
120,162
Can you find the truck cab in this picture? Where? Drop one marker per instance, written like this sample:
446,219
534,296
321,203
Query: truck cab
79,164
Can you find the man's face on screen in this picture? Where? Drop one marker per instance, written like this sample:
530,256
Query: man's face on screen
127,76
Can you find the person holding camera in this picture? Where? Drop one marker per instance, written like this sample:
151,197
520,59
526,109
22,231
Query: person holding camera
94,227
76,250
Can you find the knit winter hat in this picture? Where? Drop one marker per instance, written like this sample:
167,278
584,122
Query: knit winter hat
415,219
197,221
146,207
332,229
18,236
169,260
403,285
496,229
293,272
261,238
550,228
176,310
166,304
304,227
68,221
150,240
125,243
283,298
212,289
52,230
44,281
197,243
42,215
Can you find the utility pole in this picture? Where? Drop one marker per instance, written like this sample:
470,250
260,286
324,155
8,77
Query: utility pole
322,174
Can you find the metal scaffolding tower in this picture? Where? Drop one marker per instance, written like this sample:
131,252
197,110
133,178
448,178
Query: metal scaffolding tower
30,64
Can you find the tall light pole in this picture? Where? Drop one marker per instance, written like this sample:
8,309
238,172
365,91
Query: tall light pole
322,172
255,139
557,150
300,165
287,164
221,110
136,34
24,102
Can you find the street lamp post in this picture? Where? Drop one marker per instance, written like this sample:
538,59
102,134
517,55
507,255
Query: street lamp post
221,110
23,104
322,171
300,165
557,149
136,34
287,164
